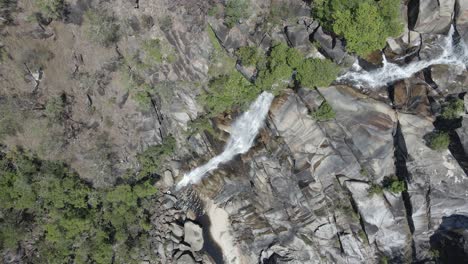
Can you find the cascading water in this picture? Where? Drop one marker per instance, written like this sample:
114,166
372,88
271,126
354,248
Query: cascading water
453,54
243,133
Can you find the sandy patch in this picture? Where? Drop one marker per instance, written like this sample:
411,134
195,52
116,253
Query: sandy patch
220,231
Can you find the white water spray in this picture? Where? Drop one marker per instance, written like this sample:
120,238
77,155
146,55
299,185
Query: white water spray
243,133
452,55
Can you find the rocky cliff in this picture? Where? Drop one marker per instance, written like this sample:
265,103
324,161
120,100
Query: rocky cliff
361,187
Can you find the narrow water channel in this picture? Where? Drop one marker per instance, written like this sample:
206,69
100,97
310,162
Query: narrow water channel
209,245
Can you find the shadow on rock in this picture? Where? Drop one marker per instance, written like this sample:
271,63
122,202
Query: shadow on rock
450,241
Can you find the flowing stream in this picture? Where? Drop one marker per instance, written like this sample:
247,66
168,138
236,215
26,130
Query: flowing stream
246,127
452,55
243,133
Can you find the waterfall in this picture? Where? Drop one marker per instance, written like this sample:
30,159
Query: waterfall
243,133
453,54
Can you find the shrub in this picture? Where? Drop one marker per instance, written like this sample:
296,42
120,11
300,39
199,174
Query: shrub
236,10
283,61
228,91
453,109
393,184
248,55
151,159
365,24
374,189
101,28
52,9
438,140
55,109
324,112
316,72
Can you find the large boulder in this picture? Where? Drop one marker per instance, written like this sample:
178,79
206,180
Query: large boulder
430,16
193,235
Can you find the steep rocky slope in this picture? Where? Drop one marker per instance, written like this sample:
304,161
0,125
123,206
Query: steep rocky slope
309,191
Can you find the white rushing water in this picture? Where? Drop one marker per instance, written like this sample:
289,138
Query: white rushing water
243,133
390,72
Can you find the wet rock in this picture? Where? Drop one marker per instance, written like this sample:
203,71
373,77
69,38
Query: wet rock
450,78
410,96
430,16
463,133
193,235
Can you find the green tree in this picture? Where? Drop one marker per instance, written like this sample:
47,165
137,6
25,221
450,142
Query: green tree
249,55
365,24
316,72
236,10
228,91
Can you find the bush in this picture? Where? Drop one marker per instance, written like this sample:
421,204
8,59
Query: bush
393,184
438,140
283,61
52,9
151,159
324,112
374,189
55,109
453,109
248,55
101,28
228,91
365,24
236,10
316,72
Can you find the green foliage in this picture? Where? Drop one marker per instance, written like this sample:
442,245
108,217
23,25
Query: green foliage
283,61
228,91
200,125
55,109
101,28
453,109
374,189
365,24
316,72
438,140
393,184
236,10
324,112
249,55
151,159
45,202
52,9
